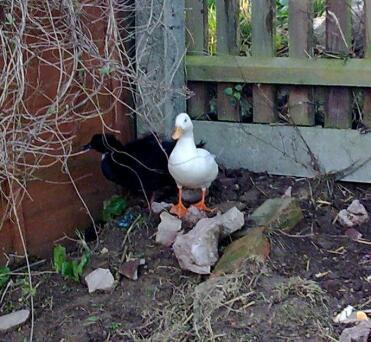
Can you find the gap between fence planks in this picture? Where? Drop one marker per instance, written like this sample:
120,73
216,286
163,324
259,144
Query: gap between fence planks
300,103
338,41
263,28
196,40
227,43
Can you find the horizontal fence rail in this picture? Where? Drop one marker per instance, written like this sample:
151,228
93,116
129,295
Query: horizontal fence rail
305,86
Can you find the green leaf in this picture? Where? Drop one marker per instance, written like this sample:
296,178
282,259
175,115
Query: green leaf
4,276
228,91
113,207
237,96
238,87
106,70
59,257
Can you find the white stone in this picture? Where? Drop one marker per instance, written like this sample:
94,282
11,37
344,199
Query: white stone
157,207
356,214
100,279
13,319
231,221
168,229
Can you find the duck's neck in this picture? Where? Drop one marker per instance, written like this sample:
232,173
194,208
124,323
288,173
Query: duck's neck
186,142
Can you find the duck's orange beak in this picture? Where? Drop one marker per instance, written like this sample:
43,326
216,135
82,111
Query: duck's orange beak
177,133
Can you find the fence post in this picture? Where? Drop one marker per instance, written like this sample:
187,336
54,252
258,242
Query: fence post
338,42
263,28
301,46
196,40
160,51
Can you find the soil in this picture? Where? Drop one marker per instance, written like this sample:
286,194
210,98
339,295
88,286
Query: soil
313,272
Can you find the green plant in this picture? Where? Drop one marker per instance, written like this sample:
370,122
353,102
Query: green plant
4,276
68,268
235,92
113,207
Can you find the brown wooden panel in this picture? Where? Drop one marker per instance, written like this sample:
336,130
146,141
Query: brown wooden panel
338,42
196,41
263,28
228,43
301,46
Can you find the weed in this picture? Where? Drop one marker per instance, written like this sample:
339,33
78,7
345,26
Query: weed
4,276
113,207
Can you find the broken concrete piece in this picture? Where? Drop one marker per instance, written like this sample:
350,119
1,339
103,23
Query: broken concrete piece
168,229
197,250
253,244
355,215
100,279
278,214
157,207
231,221
288,193
358,333
13,319
194,215
129,269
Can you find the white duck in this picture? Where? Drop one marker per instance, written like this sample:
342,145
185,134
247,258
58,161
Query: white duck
190,166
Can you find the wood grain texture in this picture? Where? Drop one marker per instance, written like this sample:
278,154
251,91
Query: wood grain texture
228,43
338,42
301,46
263,28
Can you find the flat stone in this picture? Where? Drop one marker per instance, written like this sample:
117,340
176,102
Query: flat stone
168,229
358,333
231,221
157,207
278,214
197,250
13,319
100,279
129,269
253,244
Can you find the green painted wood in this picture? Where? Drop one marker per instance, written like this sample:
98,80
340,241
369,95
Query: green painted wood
281,150
338,41
280,70
300,103
227,43
367,92
196,42
263,29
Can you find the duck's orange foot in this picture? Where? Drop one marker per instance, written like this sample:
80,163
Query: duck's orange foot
179,209
202,206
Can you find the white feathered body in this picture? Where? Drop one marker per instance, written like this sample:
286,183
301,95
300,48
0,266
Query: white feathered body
192,167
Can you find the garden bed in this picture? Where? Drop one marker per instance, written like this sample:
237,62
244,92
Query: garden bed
312,273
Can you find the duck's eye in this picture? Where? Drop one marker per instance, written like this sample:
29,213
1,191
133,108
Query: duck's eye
185,120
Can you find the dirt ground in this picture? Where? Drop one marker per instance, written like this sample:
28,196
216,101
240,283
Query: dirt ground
313,273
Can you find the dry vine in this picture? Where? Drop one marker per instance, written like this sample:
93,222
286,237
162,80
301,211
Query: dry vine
64,62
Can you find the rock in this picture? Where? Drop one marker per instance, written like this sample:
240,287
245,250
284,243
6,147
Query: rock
194,215
354,234
197,250
100,279
168,229
288,193
231,221
13,319
355,215
129,269
227,205
358,333
253,244
157,207
278,214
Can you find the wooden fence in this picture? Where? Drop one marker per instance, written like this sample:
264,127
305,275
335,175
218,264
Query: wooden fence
298,145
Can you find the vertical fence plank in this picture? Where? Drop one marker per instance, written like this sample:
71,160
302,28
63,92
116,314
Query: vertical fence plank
263,13
367,91
227,42
338,42
301,46
196,40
